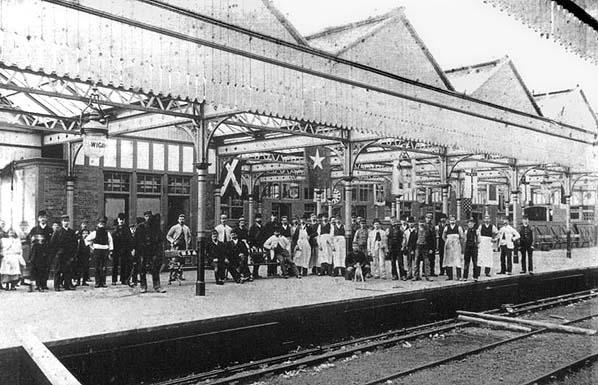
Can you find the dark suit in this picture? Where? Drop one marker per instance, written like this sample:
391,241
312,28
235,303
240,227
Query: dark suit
217,253
123,244
526,247
256,238
64,243
40,254
237,259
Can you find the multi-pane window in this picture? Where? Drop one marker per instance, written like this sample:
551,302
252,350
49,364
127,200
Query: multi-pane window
365,193
272,191
179,185
290,191
149,183
309,208
116,182
233,208
308,193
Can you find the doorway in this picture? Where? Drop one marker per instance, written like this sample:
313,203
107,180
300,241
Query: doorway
281,210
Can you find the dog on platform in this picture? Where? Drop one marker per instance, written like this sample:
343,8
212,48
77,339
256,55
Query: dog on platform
358,277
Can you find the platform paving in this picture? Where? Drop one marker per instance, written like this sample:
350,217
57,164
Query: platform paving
89,311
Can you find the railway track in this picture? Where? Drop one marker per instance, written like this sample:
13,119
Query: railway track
310,357
562,370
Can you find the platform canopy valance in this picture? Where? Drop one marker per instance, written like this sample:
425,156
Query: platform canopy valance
166,48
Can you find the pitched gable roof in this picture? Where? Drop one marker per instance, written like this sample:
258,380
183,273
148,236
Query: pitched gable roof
569,106
388,42
497,82
257,15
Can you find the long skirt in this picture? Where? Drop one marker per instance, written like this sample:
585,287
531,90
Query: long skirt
485,252
303,254
452,252
325,249
340,250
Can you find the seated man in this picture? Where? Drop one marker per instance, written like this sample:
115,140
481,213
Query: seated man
217,255
354,258
237,259
279,246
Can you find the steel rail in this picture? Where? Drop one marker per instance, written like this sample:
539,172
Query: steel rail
468,353
546,377
339,349
236,51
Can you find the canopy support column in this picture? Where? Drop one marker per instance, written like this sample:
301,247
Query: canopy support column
250,208
444,185
514,188
200,134
567,186
72,150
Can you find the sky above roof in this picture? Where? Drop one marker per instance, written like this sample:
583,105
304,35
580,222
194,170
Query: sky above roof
461,33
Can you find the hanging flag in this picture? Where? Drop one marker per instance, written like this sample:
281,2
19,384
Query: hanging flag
403,178
317,164
467,206
379,194
231,179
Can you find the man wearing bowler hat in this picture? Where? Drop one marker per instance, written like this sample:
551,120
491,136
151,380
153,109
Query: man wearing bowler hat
64,244
123,245
101,245
148,240
39,239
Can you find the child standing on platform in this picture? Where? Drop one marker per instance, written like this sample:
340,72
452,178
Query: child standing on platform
12,261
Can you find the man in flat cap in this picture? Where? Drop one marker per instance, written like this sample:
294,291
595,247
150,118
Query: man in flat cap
101,245
64,244
123,246
148,241
256,239
39,239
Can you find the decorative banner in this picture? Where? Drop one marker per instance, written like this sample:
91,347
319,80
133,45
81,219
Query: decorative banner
403,178
231,177
379,194
317,167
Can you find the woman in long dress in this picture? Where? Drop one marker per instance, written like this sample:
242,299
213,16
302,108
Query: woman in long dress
302,247
486,234
453,256
10,268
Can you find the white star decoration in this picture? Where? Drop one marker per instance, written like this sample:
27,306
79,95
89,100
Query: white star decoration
318,160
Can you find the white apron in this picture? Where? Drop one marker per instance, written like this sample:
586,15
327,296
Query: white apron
452,252
340,251
303,251
324,249
485,252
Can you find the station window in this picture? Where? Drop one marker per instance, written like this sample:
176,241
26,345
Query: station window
116,182
308,193
233,208
365,193
179,185
149,184
309,209
290,191
272,191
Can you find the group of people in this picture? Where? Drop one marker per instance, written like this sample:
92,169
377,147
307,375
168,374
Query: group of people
134,251
406,249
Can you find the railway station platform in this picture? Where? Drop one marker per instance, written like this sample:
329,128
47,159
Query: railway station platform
92,329
90,311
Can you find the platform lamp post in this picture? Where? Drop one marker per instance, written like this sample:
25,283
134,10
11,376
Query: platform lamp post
93,125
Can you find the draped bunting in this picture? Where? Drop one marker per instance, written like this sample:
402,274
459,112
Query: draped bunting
552,20
264,76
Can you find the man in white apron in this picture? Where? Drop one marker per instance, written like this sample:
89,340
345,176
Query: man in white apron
339,251
301,246
486,234
377,248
